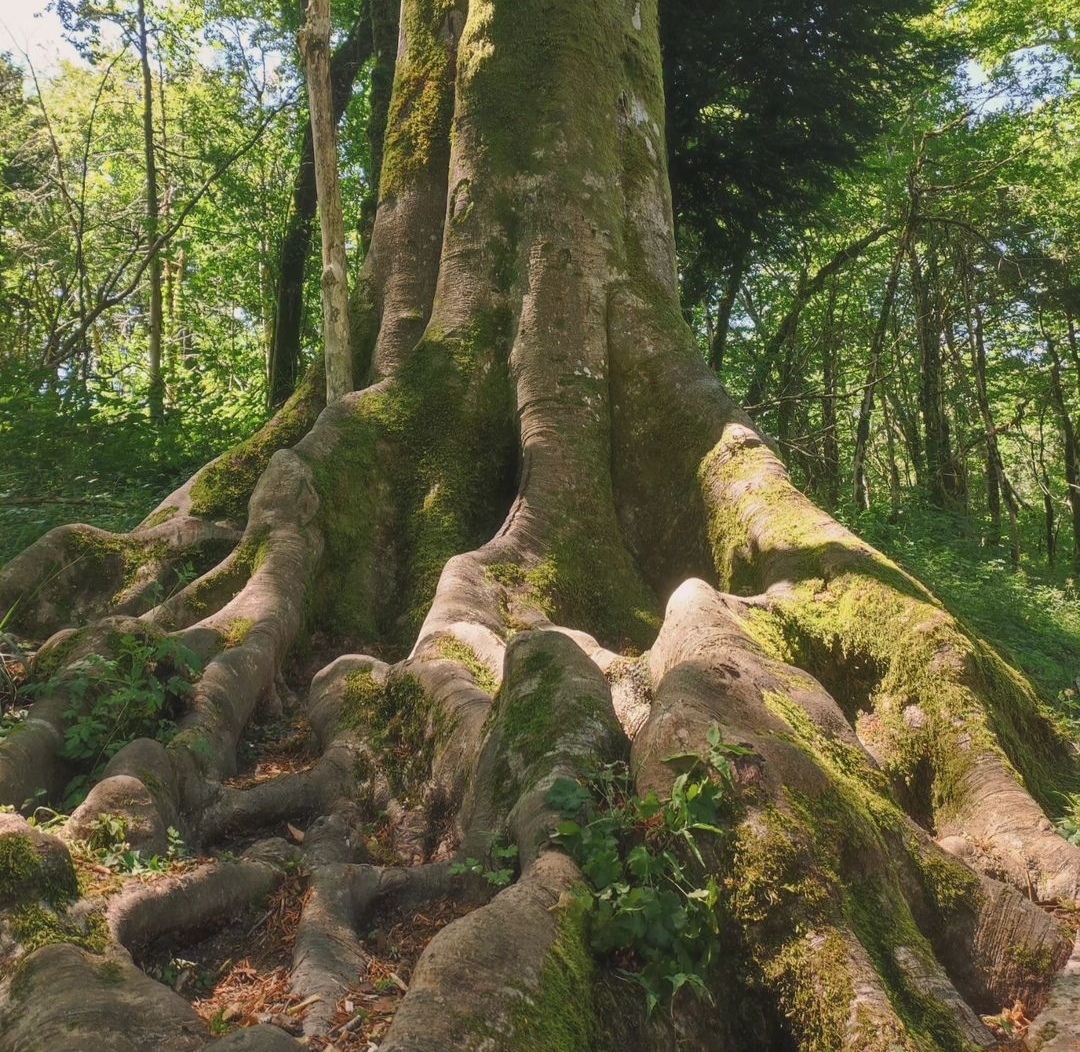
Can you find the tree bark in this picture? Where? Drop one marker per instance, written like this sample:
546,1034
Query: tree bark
1069,441
315,48
539,454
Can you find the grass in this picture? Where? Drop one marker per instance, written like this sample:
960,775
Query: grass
1030,614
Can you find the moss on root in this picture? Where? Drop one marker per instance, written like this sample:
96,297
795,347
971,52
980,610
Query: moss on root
25,873
825,866
353,495
915,677
560,1014
398,722
535,717
897,664
454,650
38,925
223,488
588,583
157,518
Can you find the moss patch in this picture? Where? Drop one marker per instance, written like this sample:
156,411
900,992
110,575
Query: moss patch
420,107
36,926
236,631
397,721
27,872
454,650
560,1014
537,714
223,488
162,515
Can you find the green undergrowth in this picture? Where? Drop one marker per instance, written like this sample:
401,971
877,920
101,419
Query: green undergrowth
71,454
135,691
1030,615
650,905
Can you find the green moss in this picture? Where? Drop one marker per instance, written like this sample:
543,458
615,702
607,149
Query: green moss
158,517
26,874
397,721
950,886
560,1014
36,926
589,581
195,741
421,105
354,490
236,631
884,925
454,650
110,973
424,472
536,716
1031,965
223,487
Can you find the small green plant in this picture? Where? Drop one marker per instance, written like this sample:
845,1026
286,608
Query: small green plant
1068,824
651,906
10,720
108,846
496,875
114,700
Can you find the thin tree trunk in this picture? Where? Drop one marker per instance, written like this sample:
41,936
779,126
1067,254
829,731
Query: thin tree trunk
315,48
718,343
153,270
873,376
940,469
807,287
1069,441
288,302
830,437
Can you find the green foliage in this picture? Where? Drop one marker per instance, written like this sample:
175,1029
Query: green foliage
108,846
87,453
1068,823
113,700
768,103
650,906
496,875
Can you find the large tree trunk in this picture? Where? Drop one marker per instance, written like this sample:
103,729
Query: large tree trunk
540,454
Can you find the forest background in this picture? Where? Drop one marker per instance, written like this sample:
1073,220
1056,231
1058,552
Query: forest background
879,255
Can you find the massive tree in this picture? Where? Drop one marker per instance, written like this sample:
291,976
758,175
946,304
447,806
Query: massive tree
588,553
